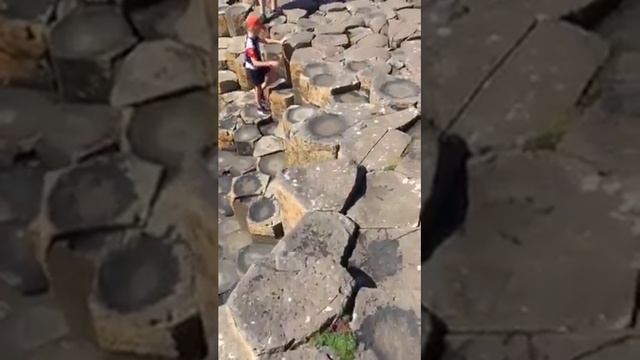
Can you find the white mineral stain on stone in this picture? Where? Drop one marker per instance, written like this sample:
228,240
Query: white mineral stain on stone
308,319
328,309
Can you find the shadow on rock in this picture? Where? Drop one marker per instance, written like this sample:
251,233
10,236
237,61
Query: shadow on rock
445,210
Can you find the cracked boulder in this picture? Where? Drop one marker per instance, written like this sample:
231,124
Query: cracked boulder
389,326
142,300
245,139
107,192
391,200
528,226
307,299
327,186
296,114
155,69
252,254
387,152
316,139
318,235
172,130
249,184
396,92
319,81
84,54
263,217
227,81
390,257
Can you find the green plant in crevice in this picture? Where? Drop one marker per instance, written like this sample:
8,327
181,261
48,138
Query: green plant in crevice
342,343
548,139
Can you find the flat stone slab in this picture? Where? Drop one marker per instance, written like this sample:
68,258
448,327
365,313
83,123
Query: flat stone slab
543,84
245,139
106,192
452,78
157,68
621,85
296,114
268,145
227,81
411,163
319,81
528,227
252,254
272,164
235,164
387,152
169,131
391,258
621,26
143,293
231,345
400,120
552,347
263,217
318,235
390,201
396,92
307,299
328,186
388,326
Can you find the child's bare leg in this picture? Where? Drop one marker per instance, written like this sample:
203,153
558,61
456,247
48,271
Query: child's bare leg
259,95
273,5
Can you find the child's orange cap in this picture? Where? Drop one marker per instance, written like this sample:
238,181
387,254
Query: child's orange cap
253,21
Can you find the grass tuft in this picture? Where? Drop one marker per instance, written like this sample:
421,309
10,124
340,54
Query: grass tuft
343,343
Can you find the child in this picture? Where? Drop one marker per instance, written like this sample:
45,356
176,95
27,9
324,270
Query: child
260,73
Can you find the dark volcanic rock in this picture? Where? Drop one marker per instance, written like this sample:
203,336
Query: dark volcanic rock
18,264
84,54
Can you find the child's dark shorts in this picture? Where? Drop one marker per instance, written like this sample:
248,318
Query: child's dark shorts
257,76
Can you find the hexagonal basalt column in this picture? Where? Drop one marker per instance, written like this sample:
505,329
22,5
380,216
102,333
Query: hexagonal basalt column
227,126
328,41
272,164
316,139
251,254
263,217
84,54
19,267
23,52
250,115
278,32
280,100
170,130
108,192
143,299
223,29
235,16
249,184
227,81
299,59
367,70
329,186
296,114
245,139
320,81
351,97
396,92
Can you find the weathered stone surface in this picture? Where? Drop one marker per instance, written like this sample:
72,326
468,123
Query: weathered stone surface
250,115
362,53
309,298
280,100
328,186
227,81
245,139
316,139
279,32
223,29
20,194
395,92
234,163
387,152
359,140
391,201
391,258
620,26
320,80
252,254
227,277
509,213
297,40
159,68
294,14
351,97
19,267
22,51
411,163
169,131
268,145
401,30
299,59
339,24
308,25
356,34
296,114
388,326
235,16
227,125
399,120
78,131
620,86
231,345
143,295
272,164
249,184
113,191
263,217
154,20
31,324
543,84
83,54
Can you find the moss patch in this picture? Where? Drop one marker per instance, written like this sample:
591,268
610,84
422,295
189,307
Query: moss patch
549,139
343,343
